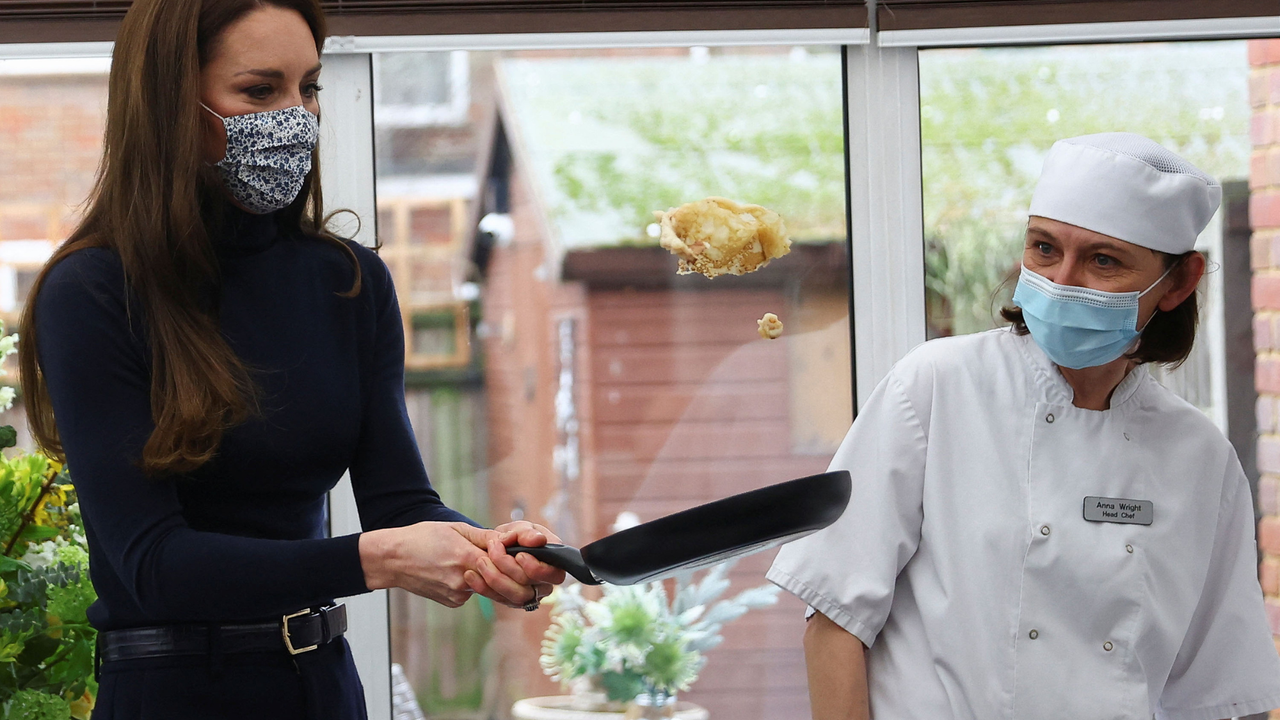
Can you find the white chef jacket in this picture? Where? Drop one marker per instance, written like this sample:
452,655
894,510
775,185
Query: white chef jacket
965,565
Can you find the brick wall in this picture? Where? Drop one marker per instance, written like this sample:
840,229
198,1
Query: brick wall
1264,216
50,143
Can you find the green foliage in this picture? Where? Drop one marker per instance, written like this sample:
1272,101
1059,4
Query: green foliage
35,705
70,600
46,642
621,686
20,486
668,662
632,641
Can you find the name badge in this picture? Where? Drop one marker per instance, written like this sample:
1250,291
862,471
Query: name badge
1118,510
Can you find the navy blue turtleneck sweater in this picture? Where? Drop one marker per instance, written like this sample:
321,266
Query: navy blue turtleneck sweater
243,537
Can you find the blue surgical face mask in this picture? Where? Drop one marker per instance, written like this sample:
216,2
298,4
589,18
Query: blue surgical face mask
1078,327
268,156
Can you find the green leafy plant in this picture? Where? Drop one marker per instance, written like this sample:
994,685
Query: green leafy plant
46,642
633,640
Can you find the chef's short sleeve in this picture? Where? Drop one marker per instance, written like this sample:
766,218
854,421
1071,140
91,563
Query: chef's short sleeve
1227,666
848,570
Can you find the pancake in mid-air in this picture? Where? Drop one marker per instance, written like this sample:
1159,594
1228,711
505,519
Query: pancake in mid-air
718,236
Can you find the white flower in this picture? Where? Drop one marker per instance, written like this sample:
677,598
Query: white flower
641,632
41,555
7,348
6,397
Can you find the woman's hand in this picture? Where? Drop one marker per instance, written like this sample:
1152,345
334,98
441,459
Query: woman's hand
444,562
523,567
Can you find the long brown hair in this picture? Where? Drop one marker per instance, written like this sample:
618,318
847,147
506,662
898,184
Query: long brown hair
157,205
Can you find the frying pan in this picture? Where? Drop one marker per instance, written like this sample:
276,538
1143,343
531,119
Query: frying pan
704,535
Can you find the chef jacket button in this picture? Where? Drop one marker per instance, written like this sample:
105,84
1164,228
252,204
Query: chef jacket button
1044,529
1048,418
1129,548
1033,634
1107,646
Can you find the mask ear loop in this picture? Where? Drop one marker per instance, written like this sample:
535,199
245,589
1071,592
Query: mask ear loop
1161,279
1149,289
224,124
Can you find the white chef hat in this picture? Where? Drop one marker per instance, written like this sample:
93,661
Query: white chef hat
1128,187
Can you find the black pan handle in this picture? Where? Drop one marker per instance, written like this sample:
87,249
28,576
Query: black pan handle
568,559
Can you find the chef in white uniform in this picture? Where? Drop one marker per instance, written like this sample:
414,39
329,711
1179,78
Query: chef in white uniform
1039,529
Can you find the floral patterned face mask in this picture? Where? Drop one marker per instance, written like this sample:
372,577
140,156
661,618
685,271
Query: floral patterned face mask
268,156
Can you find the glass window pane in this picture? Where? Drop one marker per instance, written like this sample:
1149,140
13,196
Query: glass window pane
601,387
52,115
988,116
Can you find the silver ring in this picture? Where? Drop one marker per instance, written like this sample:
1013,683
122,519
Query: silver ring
532,604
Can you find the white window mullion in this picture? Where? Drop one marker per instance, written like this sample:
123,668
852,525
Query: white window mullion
885,209
347,176
346,142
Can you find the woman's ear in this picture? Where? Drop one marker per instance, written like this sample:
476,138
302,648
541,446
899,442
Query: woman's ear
1186,279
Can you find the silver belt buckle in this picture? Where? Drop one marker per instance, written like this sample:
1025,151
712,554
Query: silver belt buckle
284,630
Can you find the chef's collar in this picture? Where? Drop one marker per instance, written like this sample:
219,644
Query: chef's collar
1056,388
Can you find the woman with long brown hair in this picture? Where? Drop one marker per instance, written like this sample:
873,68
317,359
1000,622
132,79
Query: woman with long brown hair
209,359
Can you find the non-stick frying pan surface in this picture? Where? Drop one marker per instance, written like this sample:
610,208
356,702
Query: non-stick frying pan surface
707,534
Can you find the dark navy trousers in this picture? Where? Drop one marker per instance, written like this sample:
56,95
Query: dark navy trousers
250,686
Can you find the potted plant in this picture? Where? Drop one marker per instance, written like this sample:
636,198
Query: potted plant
46,642
632,650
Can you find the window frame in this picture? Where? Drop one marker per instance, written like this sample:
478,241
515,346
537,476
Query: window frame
347,176
883,183
451,112
373,662
1238,28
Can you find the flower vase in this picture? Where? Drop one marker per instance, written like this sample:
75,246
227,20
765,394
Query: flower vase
656,706
590,700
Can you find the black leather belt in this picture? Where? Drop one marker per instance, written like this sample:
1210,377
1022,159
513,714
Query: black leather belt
294,633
